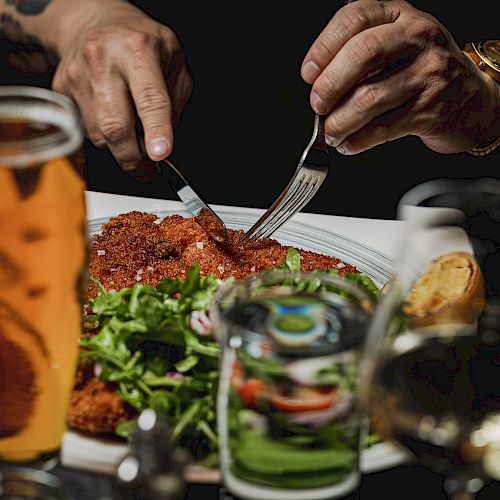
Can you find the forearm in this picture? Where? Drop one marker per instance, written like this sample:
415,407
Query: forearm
49,23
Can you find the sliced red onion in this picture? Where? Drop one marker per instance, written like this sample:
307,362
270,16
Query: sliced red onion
200,323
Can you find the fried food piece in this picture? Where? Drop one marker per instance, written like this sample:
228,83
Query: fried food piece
97,408
138,247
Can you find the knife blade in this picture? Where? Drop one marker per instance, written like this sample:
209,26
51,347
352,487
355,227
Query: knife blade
205,216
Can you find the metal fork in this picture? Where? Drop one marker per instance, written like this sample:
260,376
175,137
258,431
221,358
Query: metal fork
308,177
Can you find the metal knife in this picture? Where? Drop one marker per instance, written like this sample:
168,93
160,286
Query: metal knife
205,216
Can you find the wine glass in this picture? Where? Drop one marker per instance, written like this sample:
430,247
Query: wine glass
429,378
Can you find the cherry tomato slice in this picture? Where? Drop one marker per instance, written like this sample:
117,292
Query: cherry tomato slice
304,399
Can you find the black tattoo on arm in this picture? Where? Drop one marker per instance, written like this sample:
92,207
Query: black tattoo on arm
29,7
12,29
24,47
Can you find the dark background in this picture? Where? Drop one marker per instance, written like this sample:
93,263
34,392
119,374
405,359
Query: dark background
249,118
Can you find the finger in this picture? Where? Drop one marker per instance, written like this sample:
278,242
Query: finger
178,80
86,106
81,93
181,92
346,23
393,125
149,92
371,98
364,54
116,122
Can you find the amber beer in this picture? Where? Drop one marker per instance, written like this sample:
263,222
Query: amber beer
42,265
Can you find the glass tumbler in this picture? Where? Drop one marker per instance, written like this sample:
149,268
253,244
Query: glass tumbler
288,418
43,252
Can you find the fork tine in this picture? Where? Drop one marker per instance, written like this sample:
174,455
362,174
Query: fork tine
281,213
307,178
282,207
275,224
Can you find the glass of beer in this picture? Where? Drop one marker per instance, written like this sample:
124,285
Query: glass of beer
43,249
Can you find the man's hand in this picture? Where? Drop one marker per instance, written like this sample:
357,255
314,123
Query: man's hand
382,70
118,64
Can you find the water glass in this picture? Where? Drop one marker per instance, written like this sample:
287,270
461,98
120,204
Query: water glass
288,418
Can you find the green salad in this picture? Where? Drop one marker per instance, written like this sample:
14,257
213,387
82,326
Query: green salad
154,343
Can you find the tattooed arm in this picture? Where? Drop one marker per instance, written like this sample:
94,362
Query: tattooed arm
116,63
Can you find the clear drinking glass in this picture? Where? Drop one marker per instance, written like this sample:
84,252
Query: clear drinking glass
429,379
288,420
43,251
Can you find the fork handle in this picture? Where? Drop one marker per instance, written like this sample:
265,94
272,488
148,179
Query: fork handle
319,133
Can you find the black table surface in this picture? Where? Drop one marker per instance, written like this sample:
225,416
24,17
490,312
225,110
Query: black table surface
404,482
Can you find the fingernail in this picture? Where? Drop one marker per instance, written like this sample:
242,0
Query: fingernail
343,150
318,104
331,141
310,71
158,147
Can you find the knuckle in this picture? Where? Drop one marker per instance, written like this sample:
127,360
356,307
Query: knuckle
73,73
136,41
333,127
436,65
151,100
169,37
326,86
322,49
58,83
93,52
354,18
380,133
114,129
428,30
97,140
368,46
367,97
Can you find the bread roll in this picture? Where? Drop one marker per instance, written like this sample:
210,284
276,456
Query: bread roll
450,291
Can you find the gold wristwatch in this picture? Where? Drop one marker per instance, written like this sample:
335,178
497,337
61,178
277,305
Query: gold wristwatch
486,55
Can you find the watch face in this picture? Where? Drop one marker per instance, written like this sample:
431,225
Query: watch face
491,50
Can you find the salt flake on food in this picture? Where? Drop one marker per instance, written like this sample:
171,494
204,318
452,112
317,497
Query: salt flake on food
101,252
140,271
221,268
150,268
200,323
252,269
199,245
340,265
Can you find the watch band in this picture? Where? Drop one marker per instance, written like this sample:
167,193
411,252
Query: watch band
485,149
